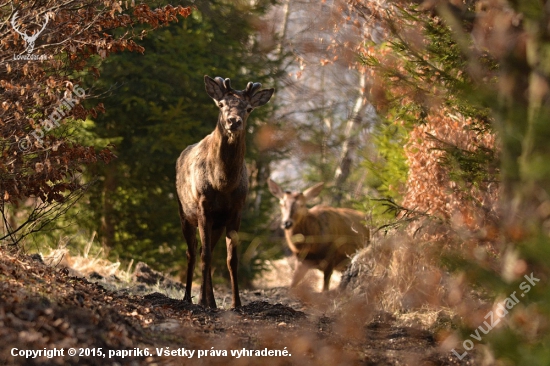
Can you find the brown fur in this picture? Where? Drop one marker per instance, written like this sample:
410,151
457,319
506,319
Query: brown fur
212,184
321,237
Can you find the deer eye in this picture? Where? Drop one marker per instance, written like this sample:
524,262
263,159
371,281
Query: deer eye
220,104
249,109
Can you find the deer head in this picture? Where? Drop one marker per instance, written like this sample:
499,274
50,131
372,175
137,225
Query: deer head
28,39
293,204
235,105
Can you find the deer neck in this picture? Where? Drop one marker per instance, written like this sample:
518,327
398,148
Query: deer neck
305,225
226,158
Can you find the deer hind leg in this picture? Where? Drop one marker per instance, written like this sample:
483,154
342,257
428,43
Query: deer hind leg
327,273
190,235
232,242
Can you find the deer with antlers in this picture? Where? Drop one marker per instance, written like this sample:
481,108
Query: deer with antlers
28,39
321,237
212,184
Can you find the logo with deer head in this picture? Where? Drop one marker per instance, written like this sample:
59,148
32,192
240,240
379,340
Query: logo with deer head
28,39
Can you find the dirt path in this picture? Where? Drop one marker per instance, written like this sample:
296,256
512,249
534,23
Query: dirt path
44,308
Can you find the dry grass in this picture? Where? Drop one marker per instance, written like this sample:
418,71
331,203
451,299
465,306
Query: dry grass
112,275
403,277
84,264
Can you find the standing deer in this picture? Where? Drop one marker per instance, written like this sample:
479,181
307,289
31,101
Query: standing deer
321,237
212,183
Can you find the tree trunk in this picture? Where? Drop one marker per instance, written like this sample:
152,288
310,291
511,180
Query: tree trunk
524,125
353,128
107,219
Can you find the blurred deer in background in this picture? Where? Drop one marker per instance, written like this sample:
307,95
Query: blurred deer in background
321,237
212,184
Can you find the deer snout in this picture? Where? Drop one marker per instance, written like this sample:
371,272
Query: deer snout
235,123
287,224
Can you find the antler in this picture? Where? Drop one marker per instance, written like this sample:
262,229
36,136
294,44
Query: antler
35,36
225,84
13,19
251,88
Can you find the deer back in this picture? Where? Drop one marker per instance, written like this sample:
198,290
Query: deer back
325,231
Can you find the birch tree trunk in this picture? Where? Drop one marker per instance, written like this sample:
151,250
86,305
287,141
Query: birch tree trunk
353,128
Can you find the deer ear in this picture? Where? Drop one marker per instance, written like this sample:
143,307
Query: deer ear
214,89
275,189
261,97
313,191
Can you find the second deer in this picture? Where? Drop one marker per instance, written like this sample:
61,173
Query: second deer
321,237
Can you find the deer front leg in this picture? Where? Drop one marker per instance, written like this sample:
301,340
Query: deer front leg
190,236
299,273
232,242
206,298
